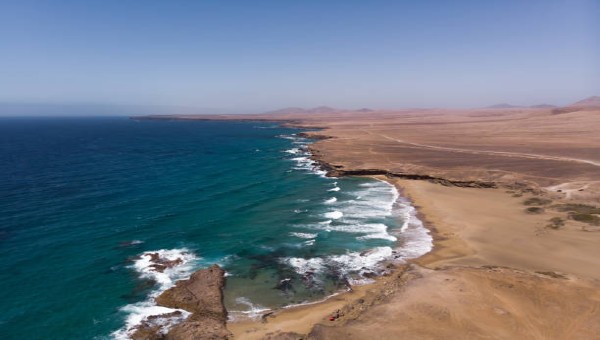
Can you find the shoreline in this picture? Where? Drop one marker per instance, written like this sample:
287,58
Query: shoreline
449,254
499,266
301,318
450,251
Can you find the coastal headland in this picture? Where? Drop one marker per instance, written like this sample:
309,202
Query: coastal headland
511,197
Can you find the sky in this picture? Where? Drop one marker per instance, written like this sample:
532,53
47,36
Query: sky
254,56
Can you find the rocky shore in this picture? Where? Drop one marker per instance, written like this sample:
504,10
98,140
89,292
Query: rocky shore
511,198
202,296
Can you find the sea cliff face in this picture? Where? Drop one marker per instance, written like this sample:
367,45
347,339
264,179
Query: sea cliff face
201,295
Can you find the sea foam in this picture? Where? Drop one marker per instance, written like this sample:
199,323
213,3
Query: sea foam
303,235
179,265
334,215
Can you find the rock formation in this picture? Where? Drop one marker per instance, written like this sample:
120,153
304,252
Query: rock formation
201,295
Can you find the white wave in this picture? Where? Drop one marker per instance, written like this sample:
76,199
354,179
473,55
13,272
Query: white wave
303,235
294,151
374,200
166,279
357,262
254,310
321,173
331,200
140,312
165,267
334,214
353,262
309,242
372,230
304,162
417,240
304,266
382,235
334,189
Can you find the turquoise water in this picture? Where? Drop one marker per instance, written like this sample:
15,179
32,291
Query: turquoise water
83,198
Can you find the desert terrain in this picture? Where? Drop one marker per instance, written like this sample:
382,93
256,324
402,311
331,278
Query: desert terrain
511,197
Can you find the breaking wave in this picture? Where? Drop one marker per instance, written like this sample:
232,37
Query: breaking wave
164,267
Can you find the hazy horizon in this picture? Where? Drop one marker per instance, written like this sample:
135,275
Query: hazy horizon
240,57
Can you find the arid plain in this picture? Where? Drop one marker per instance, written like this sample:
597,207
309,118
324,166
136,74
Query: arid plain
511,197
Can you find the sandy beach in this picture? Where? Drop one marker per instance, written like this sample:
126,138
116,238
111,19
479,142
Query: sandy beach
493,264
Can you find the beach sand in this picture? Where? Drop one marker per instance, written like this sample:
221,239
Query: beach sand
490,227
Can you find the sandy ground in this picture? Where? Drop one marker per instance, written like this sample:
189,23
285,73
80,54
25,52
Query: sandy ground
490,227
469,303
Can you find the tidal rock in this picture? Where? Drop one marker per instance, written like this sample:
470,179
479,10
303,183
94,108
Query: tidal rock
151,328
201,295
159,264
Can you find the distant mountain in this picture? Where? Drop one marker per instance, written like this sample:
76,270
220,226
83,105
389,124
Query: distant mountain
509,106
364,110
502,106
322,109
299,110
587,103
593,101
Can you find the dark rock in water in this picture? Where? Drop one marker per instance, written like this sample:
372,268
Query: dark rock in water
201,295
369,275
285,285
150,328
160,264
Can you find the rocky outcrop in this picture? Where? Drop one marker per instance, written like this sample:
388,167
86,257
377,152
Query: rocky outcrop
313,135
201,295
338,171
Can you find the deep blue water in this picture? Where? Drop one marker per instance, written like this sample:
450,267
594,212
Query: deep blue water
82,198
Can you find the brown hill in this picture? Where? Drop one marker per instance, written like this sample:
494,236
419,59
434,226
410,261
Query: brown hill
297,110
593,101
502,106
587,104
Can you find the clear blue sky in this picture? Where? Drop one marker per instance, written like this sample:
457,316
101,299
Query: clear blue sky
260,55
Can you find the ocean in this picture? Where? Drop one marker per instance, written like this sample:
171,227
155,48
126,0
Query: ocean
83,199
